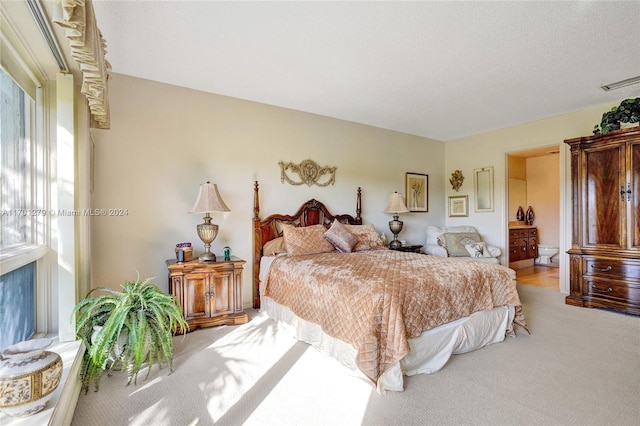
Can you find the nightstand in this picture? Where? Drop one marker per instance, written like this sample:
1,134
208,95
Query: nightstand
413,249
210,293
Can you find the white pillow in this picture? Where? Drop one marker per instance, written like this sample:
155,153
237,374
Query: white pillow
478,249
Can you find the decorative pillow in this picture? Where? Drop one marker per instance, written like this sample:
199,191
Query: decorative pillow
274,247
442,241
305,240
368,237
456,241
341,237
478,249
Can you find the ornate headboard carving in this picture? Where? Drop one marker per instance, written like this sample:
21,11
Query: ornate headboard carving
311,212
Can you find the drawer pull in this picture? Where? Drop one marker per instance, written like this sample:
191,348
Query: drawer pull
607,269
609,290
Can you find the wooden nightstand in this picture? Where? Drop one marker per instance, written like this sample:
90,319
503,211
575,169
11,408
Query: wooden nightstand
210,293
414,249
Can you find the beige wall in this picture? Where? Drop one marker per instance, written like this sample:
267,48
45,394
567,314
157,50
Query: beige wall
165,141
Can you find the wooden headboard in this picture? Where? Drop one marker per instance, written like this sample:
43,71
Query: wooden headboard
312,212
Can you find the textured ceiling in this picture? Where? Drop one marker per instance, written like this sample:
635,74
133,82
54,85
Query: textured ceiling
441,70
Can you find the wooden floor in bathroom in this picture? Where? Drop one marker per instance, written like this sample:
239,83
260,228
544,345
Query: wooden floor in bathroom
540,276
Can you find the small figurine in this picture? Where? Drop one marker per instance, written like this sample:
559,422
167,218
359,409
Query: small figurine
227,253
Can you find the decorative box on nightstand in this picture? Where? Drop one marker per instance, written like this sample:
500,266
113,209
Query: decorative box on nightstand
413,249
210,293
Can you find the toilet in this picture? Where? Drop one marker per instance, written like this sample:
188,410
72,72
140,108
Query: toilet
545,253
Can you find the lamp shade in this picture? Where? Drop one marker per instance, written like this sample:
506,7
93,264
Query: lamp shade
396,205
209,200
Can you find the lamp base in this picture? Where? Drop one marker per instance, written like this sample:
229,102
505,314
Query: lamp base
395,226
207,256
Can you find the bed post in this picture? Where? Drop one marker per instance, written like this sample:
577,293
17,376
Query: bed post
257,247
359,206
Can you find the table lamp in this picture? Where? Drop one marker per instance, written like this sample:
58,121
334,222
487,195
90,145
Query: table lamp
208,201
395,206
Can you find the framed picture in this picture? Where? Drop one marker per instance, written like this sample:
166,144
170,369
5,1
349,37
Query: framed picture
417,192
459,206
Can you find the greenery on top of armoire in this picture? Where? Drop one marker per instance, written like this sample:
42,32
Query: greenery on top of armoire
627,112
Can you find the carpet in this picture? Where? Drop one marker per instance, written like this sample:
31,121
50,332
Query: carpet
577,367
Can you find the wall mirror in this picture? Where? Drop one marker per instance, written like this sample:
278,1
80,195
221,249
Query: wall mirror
483,184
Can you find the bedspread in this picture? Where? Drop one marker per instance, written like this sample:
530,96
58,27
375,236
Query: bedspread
377,300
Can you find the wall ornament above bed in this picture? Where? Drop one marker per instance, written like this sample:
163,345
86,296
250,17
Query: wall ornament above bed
310,173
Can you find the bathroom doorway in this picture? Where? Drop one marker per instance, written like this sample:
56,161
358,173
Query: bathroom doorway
534,182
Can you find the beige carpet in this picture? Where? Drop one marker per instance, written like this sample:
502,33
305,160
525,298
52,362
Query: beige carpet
578,367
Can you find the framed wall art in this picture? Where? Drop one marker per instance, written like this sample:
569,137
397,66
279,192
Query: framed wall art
417,192
459,206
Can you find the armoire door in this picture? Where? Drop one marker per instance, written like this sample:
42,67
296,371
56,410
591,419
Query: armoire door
633,197
603,209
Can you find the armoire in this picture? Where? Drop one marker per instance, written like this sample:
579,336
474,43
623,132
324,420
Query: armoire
605,249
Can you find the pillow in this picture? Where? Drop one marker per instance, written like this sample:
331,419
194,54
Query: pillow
368,237
274,247
478,249
305,240
341,237
456,241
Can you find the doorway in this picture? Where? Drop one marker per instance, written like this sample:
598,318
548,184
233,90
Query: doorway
534,181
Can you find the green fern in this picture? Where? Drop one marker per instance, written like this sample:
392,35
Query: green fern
147,315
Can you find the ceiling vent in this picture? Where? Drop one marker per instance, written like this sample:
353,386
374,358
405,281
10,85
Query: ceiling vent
623,83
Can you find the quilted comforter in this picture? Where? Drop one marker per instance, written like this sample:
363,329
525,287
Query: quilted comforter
377,300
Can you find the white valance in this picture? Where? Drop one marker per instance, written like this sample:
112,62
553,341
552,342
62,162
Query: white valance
88,49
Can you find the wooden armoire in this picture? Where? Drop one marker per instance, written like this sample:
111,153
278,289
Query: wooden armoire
605,252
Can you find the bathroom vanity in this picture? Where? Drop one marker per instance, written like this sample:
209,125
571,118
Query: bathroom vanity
523,245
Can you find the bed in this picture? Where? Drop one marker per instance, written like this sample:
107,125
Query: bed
382,313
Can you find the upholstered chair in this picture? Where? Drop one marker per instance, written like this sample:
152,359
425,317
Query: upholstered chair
459,241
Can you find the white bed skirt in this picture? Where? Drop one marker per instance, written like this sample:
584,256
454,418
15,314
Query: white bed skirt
429,352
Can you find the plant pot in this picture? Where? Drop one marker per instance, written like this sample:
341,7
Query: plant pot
118,348
28,377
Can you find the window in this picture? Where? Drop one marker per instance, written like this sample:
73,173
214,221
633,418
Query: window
15,167
17,305
19,216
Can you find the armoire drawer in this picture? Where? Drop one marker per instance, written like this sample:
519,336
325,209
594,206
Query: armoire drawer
626,269
619,290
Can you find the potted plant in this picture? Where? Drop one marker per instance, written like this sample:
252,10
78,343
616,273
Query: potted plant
126,328
627,112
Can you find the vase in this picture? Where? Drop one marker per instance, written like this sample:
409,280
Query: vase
520,214
28,377
529,216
